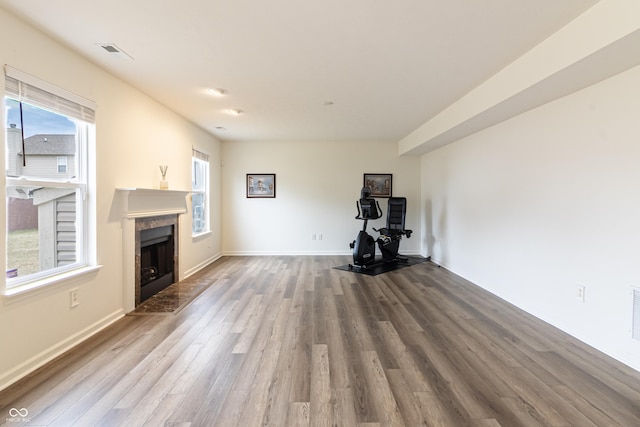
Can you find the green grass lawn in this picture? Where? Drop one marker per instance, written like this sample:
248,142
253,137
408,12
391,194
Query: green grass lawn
22,251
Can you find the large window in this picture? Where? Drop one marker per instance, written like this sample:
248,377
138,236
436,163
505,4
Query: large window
48,136
200,192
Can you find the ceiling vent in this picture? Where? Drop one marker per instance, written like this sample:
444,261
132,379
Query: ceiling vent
115,51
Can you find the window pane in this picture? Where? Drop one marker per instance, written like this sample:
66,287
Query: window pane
45,210
41,229
199,223
47,137
199,175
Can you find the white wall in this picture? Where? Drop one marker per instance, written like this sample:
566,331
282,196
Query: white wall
135,134
317,186
550,199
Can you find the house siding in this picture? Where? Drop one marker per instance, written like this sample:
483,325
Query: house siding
66,235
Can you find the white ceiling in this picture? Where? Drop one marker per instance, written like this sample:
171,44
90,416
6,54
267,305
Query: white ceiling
387,66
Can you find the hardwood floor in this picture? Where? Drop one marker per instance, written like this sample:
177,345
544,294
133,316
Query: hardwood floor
290,341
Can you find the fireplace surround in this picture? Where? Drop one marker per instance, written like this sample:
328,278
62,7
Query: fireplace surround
157,257
143,209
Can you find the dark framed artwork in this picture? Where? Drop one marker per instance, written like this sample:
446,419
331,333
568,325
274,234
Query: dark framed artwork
261,185
380,184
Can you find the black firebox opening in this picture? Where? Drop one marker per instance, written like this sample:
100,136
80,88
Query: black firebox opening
156,260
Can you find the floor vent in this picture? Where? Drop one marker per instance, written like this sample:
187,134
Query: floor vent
635,329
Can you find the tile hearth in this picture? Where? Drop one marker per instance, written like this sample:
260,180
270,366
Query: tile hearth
174,297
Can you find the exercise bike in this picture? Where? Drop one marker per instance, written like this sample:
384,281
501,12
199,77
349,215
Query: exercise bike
364,247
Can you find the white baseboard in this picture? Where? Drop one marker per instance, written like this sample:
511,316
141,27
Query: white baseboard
203,264
44,357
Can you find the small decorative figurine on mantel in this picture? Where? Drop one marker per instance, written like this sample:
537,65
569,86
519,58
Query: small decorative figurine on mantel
164,184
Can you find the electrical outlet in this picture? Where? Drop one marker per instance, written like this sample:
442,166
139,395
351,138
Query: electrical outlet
313,236
73,298
580,291
319,236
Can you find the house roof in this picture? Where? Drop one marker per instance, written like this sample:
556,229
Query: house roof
50,144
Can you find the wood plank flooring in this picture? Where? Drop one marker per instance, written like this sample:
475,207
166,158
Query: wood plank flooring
290,341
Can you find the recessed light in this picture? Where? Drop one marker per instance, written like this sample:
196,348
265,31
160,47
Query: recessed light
235,111
221,128
217,91
328,103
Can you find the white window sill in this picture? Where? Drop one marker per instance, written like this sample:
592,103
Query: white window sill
28,290
201,235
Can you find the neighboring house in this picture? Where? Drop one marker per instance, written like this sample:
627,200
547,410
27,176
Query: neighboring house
47,156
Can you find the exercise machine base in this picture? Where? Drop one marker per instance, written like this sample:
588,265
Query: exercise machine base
380,266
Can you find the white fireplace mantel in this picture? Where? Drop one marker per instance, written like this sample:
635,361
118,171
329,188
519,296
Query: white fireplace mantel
142,202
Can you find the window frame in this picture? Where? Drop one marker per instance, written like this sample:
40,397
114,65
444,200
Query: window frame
201,159
62,161
81,111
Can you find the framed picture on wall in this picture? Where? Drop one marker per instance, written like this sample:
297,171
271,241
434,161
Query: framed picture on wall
261,185
379,184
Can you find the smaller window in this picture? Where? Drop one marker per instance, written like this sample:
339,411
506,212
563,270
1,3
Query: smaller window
200,193
62,164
